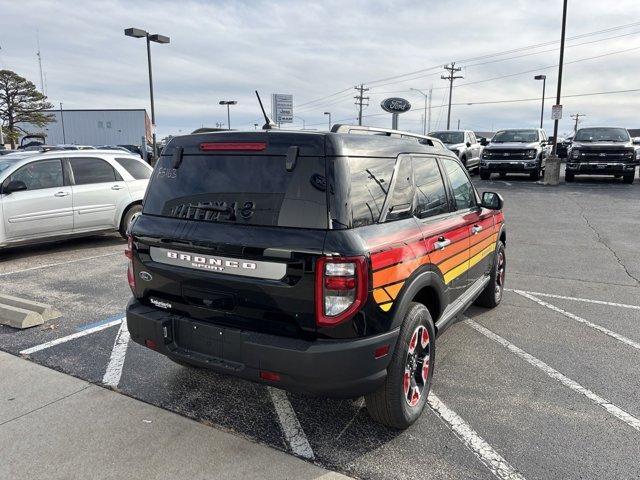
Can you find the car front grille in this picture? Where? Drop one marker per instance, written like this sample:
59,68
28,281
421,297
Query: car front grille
513,154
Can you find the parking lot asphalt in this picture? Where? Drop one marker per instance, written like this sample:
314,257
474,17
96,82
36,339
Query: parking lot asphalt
546,386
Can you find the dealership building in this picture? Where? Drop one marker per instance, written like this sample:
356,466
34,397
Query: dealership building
96,127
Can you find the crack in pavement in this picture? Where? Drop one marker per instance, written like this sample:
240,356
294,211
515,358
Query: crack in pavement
603,242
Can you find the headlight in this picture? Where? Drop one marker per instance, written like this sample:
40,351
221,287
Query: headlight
575,153
532,153
629,154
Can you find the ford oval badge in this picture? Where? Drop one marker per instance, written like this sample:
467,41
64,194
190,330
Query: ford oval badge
146,276
395,105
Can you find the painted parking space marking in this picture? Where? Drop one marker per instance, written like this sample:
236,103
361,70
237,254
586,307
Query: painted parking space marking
290,425
470,438
577,299
595,326
556,375
73,336
116,361
49,265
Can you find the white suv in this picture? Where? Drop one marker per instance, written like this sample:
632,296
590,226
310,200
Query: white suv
64,193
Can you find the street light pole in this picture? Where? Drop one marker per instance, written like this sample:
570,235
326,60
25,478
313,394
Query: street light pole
157,38
424,119
228,103
552,166
329,113
544,84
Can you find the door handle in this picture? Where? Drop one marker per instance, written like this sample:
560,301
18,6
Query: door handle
441,243
117,187
476,229
61,194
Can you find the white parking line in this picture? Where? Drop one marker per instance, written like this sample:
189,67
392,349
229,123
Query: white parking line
485,453
584,321
290,425
567,382
577,299
73,336
116,362
39,267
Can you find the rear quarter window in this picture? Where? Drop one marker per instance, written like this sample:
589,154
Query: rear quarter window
136,168
370,179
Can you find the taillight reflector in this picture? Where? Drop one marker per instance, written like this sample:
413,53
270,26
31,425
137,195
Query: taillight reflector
233,146
270,376
128,251
381,351
151,344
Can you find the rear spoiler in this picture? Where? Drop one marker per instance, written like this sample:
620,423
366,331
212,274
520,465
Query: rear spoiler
423,139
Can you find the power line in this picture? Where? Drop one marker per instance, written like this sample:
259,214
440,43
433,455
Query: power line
360,99
452,69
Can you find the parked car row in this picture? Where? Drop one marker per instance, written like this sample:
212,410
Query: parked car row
592,151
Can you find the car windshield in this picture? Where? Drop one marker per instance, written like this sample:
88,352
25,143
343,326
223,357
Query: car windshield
602,135
449,137
519,136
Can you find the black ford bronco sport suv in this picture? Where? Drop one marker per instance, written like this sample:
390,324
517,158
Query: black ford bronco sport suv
324,263
602,151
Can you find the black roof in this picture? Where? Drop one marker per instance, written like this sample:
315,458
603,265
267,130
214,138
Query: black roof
309,143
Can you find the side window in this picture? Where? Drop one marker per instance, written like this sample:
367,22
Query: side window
136,168
370,181
92,170
463,192
472,137
431,198
402,195
41,174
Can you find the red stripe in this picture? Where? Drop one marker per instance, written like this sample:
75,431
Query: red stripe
396,255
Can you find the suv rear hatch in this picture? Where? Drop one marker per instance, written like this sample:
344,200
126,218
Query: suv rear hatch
231,227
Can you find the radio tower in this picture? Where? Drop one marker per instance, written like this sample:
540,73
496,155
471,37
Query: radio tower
360,101
40,64
451,77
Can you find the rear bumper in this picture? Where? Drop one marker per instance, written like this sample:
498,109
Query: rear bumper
603,168
331,368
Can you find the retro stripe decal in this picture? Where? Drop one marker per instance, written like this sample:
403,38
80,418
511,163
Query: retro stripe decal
393,266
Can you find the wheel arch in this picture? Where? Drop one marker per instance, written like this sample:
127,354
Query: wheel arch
125,210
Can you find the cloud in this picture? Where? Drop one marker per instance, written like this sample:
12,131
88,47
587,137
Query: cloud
227,49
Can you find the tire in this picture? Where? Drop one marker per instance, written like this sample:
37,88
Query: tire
132,212
402,397
492,294
535,175
484,175
569,177
628,177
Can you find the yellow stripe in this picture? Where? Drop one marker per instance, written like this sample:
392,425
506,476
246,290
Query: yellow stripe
463,267
386,306
456,272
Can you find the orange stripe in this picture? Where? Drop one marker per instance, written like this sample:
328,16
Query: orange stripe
380,296
398,272
393,290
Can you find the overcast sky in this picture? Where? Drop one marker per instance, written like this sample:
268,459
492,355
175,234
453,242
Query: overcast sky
227,49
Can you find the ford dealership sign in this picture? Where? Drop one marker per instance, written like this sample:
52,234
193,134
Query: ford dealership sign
395,105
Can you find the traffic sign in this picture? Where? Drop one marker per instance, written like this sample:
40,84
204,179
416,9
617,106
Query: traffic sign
556,112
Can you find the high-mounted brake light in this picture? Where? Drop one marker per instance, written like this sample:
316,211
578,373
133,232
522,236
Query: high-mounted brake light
233,146
341,288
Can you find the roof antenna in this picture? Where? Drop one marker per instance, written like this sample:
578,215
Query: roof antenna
269,125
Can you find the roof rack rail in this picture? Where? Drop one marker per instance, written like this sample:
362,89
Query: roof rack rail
424,139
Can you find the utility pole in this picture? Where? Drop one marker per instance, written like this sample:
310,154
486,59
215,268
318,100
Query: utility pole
64,137
452,69
577,116
360,101
458,124
429,115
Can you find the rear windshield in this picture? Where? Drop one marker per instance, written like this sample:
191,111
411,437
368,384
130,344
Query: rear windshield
251,190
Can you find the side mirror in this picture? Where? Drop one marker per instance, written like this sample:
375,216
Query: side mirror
14,186
492,201
468,144
484,142
636,140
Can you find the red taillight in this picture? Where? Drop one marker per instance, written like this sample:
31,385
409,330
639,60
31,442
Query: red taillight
233,146
151,344
128,252
270,376
341,288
